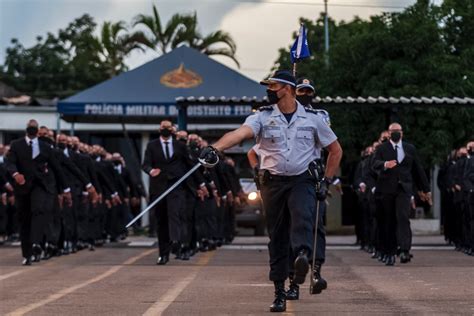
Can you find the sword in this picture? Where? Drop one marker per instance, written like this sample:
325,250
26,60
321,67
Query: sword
161,197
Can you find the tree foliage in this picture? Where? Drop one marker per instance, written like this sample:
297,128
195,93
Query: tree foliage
80,55
426,50
183,29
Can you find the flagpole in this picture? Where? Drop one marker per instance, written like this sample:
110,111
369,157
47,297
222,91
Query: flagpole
294,69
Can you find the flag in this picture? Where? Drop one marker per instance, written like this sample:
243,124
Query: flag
300,48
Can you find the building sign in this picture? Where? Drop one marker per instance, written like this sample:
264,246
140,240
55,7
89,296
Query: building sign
153,110
181,78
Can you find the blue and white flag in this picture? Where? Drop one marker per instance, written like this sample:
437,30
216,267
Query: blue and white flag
300,48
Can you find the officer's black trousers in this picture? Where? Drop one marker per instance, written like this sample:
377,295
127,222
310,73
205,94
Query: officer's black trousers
187,218
83,218
168,213
32,218
396,221
373,229
471,211
290,213
3,219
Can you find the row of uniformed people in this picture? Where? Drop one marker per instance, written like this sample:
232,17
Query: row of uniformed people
199,215
456,184
388,180
66,195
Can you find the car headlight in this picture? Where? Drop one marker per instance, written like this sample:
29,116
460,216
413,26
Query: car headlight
252,196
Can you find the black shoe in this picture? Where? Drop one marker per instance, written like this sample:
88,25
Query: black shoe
279,304
318,284
385,258
375,255
390,261
301,267
212,245
162,260
405,257
175,247
26,262
37,252
380,257
293,292
185,255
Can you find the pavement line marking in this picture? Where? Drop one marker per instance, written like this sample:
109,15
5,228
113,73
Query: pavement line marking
56,296
12,274
263,247
141,243
170,296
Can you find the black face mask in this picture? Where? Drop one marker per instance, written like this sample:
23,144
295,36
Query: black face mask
165,132
32,131
304,99
74,147
183,140
62,146
94,156
272,96
384,140
395,136
117,162
47,140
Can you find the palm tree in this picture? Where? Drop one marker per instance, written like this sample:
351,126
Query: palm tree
116,44
182,29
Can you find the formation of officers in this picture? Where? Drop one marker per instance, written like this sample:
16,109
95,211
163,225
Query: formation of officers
386,180
60,195
456,184
199,215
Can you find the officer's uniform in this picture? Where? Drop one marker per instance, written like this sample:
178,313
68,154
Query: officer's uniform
288,193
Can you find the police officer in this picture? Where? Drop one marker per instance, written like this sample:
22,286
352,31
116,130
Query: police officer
290,137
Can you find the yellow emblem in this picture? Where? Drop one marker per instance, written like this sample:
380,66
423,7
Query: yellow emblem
181,78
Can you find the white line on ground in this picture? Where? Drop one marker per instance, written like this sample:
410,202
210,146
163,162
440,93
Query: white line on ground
141,243
69,290
12,274
170,296
263,247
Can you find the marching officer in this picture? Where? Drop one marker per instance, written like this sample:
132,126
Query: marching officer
29,162
289,137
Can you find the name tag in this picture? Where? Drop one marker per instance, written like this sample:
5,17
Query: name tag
271,132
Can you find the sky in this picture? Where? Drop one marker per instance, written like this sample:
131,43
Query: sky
259,27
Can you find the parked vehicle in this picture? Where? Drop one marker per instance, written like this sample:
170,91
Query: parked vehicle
250,214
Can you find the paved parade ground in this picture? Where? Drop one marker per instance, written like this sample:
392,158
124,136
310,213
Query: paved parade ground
124,280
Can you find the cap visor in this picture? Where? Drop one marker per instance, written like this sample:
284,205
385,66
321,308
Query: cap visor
301,86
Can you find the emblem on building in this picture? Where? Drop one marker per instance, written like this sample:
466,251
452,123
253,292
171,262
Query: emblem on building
181,78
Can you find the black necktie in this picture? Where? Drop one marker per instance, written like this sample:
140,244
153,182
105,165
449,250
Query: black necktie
167,156
30,143
396,153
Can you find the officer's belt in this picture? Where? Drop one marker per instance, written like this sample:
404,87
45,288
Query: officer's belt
273,177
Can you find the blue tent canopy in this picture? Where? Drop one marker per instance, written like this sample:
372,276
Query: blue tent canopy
149,92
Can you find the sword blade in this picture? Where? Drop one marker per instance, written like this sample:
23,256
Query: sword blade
162,196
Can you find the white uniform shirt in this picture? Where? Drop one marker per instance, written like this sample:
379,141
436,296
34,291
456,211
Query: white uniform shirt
288,148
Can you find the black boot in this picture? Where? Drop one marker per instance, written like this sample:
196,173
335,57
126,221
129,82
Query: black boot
279,304
318,284
293,292
301,267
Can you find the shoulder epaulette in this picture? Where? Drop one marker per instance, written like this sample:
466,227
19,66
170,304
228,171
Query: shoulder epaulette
265,108
317,111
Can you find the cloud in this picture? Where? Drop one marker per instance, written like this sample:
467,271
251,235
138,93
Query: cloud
258,28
